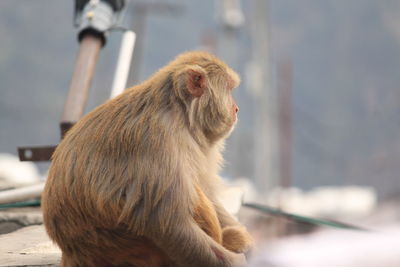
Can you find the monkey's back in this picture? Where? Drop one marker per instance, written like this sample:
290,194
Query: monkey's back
98,163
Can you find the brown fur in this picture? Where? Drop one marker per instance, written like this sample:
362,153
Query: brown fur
126,181
233,237
206,217
236,239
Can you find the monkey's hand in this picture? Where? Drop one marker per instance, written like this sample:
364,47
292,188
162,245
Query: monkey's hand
236,239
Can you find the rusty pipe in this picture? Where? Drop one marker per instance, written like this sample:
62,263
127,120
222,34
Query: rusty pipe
85,65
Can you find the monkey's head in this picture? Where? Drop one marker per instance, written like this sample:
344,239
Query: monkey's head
205,84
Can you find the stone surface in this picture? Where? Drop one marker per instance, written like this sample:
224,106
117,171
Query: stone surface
15,218
29,246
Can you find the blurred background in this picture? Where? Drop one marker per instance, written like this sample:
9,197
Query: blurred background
319,99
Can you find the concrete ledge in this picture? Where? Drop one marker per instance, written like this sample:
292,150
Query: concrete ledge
15,218
29,246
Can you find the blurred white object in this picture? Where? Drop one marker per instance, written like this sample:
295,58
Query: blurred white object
232,14
231,199
247,186
236,192
329,202
334,248
124,63
21,194
15,173
254,80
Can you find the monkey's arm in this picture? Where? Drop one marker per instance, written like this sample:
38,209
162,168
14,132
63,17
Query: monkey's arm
234,235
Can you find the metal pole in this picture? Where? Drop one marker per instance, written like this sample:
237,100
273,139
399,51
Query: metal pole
94,18
265,115
285,138
85,64
285,122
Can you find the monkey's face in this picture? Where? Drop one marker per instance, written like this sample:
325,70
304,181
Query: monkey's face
232,112
232,109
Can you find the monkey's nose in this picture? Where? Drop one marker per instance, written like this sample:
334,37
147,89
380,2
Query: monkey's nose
236,109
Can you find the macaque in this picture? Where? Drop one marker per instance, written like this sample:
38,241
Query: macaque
135,181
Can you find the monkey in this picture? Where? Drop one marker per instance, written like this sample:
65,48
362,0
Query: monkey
135,181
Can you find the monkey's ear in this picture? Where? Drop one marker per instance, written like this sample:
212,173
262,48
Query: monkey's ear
196,82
